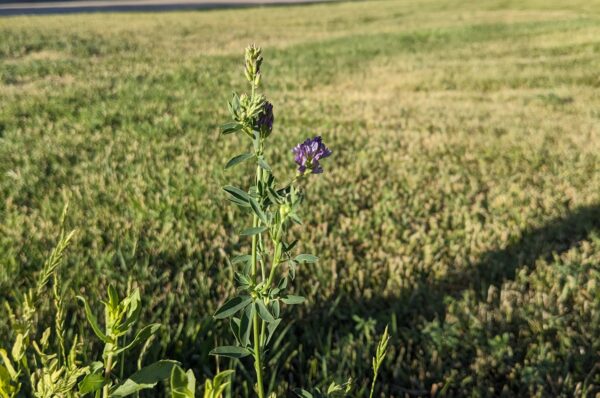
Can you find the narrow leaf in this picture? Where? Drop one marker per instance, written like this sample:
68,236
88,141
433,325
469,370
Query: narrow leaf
258,211
306,258
264,165
238,159
230,351
92,321
145,378
230,128
141,337
303,393
291,299
253,231
237,193
241,259
232,306
246,325
90,383
263,312
271,329
183,385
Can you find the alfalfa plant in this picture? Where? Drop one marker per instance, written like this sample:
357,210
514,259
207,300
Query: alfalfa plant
262,275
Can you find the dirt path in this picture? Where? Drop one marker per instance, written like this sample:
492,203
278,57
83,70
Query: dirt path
64,7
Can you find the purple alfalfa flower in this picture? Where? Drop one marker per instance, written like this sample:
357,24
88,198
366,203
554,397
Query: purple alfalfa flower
308,154
266,118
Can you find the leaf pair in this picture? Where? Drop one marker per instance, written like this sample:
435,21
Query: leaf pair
144,378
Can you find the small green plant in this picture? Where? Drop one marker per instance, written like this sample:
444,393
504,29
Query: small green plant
333,391
262,275
121,315
183,384
49,367
43,367
379,357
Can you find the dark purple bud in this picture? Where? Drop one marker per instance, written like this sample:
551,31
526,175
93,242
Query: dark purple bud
265,119
308,154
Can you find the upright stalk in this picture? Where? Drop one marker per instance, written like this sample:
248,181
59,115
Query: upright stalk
256,321
257,361
107,371
273,210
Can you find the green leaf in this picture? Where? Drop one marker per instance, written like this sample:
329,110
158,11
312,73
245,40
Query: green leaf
238,202
295,218
258,211
183,384
18,349
291,299
292,269
7,364
290,246
303,393
245,258
134,309
306,258
264,165
232,306
230,128
271,329
145,378
219,383
92,321
141,337
243,280
230,351
246,325
113,297
238,159
263,312
273,196
237,193
253,231
91,382
282,283
234,324
275,308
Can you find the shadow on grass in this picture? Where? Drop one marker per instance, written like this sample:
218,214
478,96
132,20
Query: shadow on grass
552,239
428,300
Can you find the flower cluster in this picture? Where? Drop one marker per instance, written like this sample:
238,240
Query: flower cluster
309,153
266,118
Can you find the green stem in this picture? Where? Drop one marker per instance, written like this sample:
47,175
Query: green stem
107,371
276,260
257,362
373,386
256,322
254,246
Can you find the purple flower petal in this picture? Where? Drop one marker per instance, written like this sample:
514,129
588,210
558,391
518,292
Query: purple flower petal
308,154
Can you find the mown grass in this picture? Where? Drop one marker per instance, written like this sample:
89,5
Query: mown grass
462,203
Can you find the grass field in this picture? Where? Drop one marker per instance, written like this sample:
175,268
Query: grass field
461,205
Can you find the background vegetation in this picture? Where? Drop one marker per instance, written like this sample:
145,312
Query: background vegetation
461,206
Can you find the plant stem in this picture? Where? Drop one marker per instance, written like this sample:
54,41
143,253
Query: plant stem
254,246
373,386
107,371
257,362
256,321
276,260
